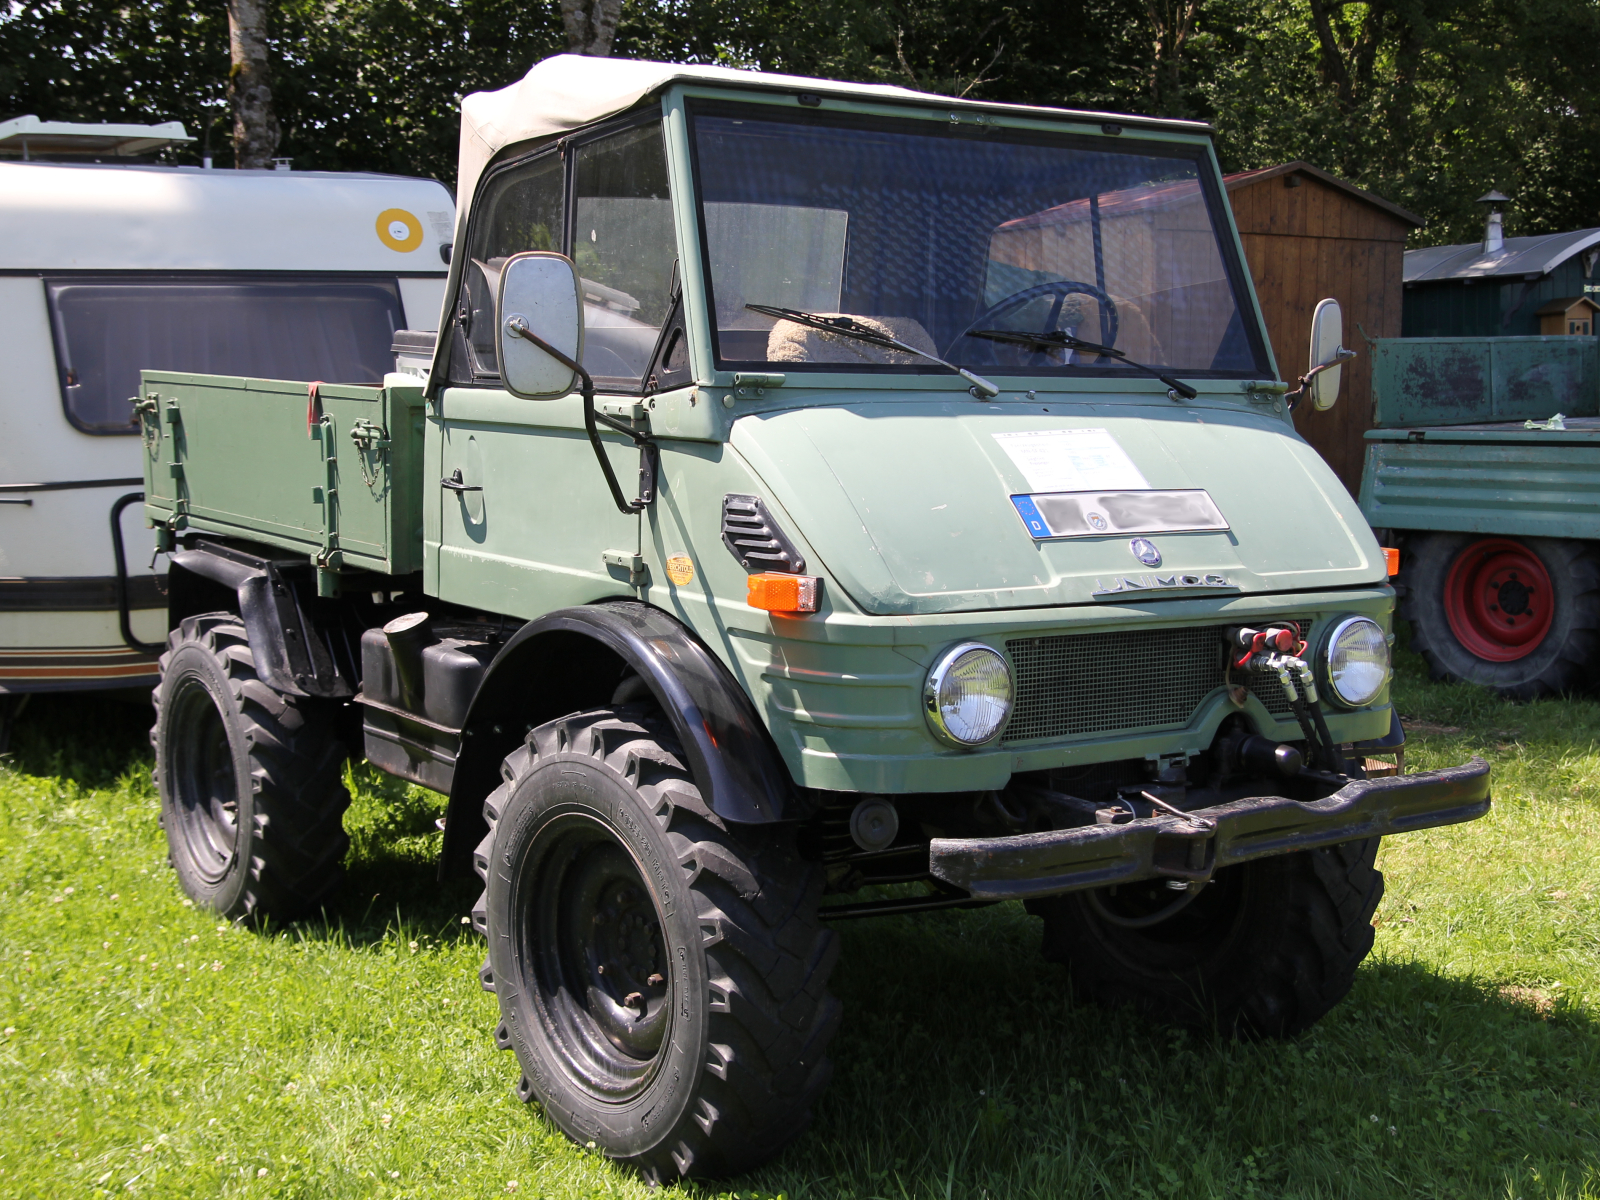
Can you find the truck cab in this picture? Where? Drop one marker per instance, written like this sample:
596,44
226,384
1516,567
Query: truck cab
830,501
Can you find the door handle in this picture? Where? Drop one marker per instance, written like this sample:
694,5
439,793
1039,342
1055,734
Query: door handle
455,484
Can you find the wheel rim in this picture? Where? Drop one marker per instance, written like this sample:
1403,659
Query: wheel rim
591,937
1499,600
204,788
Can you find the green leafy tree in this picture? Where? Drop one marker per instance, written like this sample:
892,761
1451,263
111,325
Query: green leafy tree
1427,102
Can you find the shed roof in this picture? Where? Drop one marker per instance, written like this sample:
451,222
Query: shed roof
1528,257
29,135
1242,179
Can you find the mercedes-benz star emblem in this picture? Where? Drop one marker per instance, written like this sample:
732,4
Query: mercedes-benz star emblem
1145,551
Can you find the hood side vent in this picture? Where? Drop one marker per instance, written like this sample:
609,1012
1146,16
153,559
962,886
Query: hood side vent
755,539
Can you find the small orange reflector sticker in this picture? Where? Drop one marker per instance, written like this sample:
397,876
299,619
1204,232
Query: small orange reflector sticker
1391,555
780,593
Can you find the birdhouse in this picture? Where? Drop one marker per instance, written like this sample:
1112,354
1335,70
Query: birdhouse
1574,315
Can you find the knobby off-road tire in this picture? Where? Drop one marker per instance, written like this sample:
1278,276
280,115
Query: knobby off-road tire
1264,951
662,978
251,781
1453,587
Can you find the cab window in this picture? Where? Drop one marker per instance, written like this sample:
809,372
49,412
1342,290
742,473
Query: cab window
623,243
521,209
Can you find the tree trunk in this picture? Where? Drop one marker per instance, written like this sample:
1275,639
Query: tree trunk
590,25
1171,21
255,127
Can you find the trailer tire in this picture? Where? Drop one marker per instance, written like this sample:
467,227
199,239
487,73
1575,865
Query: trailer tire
251,781
662,976
1452,582
1273,947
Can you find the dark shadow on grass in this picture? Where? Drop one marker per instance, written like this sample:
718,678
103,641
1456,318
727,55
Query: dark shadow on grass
392,869
92,738
964,1058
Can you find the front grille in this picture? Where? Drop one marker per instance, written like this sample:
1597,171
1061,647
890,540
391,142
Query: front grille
1128,680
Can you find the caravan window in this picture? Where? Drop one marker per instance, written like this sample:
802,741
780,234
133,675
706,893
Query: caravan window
337,330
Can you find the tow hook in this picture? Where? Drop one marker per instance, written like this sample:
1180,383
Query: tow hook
1184,854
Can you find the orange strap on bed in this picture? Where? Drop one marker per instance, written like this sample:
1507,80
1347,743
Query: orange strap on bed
313,407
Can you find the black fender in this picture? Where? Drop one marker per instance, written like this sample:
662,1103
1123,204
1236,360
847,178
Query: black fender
573,659
292,654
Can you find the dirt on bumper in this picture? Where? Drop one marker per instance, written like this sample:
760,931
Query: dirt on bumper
1068,860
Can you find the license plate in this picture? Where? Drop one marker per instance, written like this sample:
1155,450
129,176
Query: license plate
1050,515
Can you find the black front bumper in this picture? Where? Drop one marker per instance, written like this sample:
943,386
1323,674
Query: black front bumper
1068,860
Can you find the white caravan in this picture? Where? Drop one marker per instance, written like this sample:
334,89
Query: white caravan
106,268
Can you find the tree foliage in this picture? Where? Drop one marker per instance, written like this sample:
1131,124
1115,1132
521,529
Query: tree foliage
1428,103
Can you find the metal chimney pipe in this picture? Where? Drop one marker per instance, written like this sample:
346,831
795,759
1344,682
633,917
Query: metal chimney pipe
1494,234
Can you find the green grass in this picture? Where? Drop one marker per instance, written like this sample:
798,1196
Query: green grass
149,1051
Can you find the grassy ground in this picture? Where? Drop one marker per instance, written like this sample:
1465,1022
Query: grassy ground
146,1049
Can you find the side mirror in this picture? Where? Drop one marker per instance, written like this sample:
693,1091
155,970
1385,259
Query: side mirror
1327,354
538,291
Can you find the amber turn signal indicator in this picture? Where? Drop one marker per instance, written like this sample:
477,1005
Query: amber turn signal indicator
1391,555
784,593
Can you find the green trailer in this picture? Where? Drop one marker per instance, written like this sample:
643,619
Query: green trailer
825,501
1493,500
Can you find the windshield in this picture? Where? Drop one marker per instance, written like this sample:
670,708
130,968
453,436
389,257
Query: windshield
935,234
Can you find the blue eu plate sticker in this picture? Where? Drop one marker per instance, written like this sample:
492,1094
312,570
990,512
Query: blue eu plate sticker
1029,512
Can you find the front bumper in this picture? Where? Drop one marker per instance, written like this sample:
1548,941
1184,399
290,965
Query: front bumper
1069,860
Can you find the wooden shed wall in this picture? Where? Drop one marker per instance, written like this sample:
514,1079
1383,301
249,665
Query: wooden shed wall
1302,244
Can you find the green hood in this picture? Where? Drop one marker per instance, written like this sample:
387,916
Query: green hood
907,506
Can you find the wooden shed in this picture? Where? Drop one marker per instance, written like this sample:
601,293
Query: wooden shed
1308,234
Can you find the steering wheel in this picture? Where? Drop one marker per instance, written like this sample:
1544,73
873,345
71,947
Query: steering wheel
1060,289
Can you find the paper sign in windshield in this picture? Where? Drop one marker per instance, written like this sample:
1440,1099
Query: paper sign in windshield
1071,460
1102,514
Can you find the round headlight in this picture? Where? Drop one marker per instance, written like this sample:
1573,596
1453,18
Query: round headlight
968,695
1357,661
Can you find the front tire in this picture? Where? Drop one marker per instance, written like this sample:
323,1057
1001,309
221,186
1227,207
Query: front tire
662,977
1265,950
1521,616
251,781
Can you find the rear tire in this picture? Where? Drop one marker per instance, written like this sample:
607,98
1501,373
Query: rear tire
662,977
1521,616
251,781
1265,950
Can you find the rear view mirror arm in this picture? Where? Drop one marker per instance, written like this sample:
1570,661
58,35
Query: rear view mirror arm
1341,356
648,454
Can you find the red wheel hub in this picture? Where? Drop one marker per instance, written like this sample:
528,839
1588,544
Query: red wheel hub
1498,600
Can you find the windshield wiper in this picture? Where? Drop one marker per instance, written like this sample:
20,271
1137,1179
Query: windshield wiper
1060,338
849,327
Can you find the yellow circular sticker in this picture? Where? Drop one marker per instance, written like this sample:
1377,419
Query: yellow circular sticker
680,569
399,230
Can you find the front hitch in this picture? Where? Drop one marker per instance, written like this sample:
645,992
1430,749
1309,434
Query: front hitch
1193,845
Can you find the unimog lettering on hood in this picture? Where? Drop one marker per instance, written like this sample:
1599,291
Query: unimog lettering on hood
826,501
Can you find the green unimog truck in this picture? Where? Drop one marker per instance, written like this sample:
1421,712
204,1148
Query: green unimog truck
822,501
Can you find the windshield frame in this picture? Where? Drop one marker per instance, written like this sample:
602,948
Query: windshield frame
1067,133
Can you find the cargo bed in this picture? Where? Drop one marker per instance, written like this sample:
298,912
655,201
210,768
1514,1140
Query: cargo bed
331,471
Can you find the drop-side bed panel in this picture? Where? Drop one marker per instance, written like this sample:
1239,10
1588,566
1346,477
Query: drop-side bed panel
336,476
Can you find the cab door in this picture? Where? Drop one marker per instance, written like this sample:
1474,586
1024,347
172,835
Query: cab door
526,519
